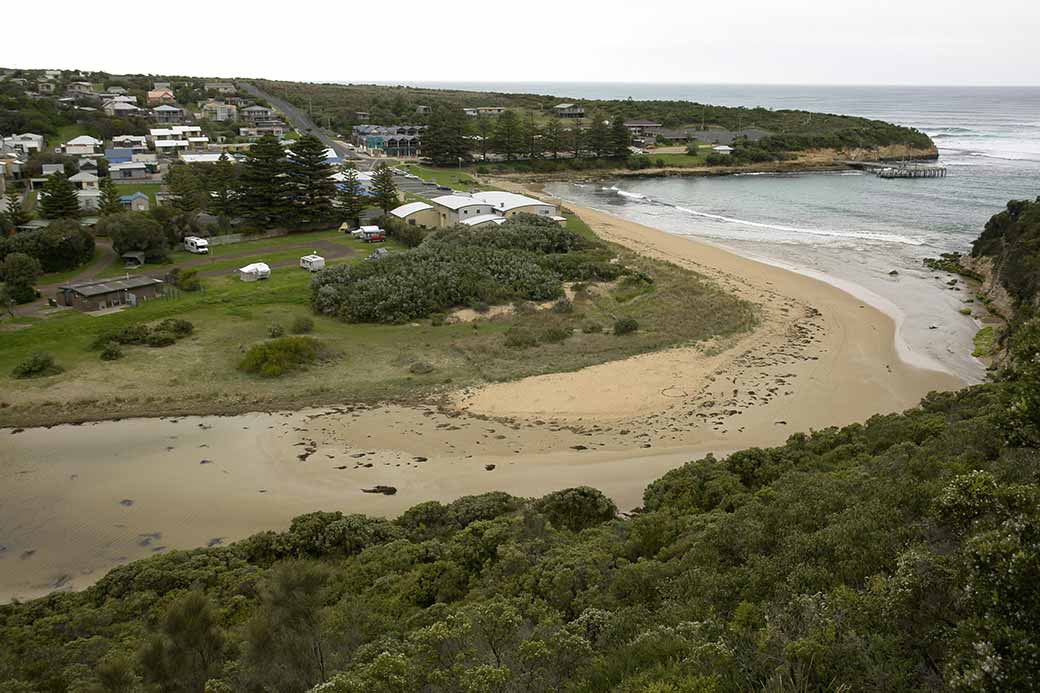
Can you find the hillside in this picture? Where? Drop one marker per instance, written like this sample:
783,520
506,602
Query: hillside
897,554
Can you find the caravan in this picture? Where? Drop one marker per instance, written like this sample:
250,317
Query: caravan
312,263
193,244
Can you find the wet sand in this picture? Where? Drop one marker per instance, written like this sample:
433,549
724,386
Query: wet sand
78,500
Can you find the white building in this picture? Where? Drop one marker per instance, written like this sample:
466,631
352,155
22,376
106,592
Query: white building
452,209
25,143
84,145
507,204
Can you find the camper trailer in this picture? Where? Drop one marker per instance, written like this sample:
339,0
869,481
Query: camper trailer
254,272
370,234
193,244
312,263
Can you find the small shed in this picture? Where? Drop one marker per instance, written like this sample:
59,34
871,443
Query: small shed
137,202
312,263
133,258
254,271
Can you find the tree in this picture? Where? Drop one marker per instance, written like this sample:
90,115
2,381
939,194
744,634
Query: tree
599,137
20,272
350,197
286,648
265,188
508,139
7,301
17,215
185,187
135,231
620,139
532,135
486,132
109,203
58,199
576,141
444,141
384,189
310,177
189,647
222,185
552,137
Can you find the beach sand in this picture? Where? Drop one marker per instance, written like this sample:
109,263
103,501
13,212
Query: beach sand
77,500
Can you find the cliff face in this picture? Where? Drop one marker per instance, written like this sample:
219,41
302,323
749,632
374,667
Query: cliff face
1007,253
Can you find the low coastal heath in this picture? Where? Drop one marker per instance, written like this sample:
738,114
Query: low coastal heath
78,500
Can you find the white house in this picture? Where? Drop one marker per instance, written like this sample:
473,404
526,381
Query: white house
722,149
84,145
85,180
507,204
25,143
484,220
452,209
417,214
128,170
119,109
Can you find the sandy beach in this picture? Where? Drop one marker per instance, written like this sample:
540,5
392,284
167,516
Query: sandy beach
77,500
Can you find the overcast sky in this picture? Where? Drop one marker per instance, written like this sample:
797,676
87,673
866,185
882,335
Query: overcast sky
752,41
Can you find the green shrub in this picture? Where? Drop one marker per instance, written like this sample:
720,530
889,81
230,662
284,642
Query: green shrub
279,356
480,307
111,352
185,279
420,368
556,334
38,365
133,334
625,326
437,319
519,338
592,328
160,338
275,331
302,324
175,326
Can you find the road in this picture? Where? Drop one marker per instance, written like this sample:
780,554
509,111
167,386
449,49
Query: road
298,119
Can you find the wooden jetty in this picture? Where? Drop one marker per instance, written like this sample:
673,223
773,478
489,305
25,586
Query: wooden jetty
899,169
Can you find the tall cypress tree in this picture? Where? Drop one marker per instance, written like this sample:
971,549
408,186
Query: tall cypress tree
17,214
186,191
310,177
109,203
58,199
265,185
620,139
552,137
222,183
384,190
508,139
444,141
350,197
599,137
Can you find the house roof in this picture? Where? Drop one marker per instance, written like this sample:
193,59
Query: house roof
83,177
166,107
410,208
83,140
457,201
132,197
483,219
107,286
254,107
161,144
505,201
127,165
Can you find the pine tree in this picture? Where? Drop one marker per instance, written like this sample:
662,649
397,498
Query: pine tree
532,138
508,139
109,203
599,137
384,190
16,212
350,197
444,141
186,192
486,131
576,141
222,182
265,187
58,199
310,177
552,137
620,139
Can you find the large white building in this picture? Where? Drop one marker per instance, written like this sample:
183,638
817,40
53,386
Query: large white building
507,204
451,209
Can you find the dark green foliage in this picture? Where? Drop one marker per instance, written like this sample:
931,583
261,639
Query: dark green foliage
280,356
1012,240
111,352
444,141
109,202
519,338
187,650
275,330
159,338
406,234
61,246
452,267
185,279
266,192
349,196
384,189
38,365
508,138
577,508
20,272
185,186
58,199
14,210
310,179
302,324
556,334
135,231
563,307
625,325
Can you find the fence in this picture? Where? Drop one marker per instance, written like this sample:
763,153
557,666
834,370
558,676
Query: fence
229,238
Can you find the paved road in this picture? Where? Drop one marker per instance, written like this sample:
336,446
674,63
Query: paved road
298,119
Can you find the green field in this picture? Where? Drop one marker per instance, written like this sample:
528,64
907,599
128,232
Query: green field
148,189
199,373
66,133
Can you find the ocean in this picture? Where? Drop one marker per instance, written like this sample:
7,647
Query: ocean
849,228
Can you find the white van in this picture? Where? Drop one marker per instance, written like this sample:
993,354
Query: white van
193,244
312,263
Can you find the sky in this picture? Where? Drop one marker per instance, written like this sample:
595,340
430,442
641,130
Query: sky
919,42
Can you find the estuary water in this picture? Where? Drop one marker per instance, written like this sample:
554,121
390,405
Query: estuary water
851,228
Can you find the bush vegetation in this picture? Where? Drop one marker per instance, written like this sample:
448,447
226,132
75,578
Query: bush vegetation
625,325
38,365
302,324
61,246
282,355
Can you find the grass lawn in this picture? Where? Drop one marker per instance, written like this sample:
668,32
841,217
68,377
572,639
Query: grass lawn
452,177
148,189
199,374
66,133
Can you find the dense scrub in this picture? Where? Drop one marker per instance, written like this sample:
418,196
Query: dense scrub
63,245
1012,240
526,259
893,555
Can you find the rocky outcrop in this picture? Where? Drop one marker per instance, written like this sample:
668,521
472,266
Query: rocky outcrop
996,295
